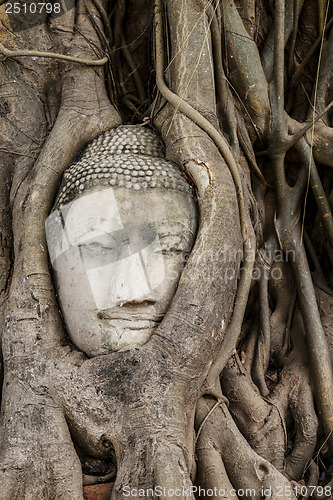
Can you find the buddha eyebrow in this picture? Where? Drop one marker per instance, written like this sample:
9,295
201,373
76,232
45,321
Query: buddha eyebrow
99,219
167,234
162,233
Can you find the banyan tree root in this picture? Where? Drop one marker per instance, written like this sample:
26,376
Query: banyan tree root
38,459
84,391
265,422
258,420
143,409
239,464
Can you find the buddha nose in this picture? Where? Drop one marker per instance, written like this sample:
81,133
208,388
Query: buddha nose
134,283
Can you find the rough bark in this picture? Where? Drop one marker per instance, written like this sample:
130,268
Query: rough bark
229,118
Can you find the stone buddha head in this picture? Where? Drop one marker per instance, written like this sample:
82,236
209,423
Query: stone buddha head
118,236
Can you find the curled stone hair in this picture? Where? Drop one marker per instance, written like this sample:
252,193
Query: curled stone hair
128,156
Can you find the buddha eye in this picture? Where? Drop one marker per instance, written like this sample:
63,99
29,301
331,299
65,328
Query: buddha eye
177,251
170,251
95,248
93,245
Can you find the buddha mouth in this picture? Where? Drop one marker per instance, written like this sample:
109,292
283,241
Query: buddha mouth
137,326
133,317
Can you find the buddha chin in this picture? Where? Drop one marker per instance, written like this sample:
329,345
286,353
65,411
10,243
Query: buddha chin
122,333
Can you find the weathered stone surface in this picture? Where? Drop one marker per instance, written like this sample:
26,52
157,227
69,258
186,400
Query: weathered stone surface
118,252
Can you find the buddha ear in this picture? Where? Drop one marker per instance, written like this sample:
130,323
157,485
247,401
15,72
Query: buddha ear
56,237
64,256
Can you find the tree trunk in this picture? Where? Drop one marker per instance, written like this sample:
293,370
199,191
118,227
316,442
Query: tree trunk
233,393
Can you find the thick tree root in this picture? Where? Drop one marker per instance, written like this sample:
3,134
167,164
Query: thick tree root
245,469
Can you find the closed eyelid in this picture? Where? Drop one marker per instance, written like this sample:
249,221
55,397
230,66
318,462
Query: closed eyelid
105,239
97,244
172,250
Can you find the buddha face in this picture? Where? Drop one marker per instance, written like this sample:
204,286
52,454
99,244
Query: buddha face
117,256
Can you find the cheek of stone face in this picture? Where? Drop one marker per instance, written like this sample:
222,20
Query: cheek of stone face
173,265
75,297
79,310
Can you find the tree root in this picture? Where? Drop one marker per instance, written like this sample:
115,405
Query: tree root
306,425
258,420
40,461
245,469
52,55
140,405
211,471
